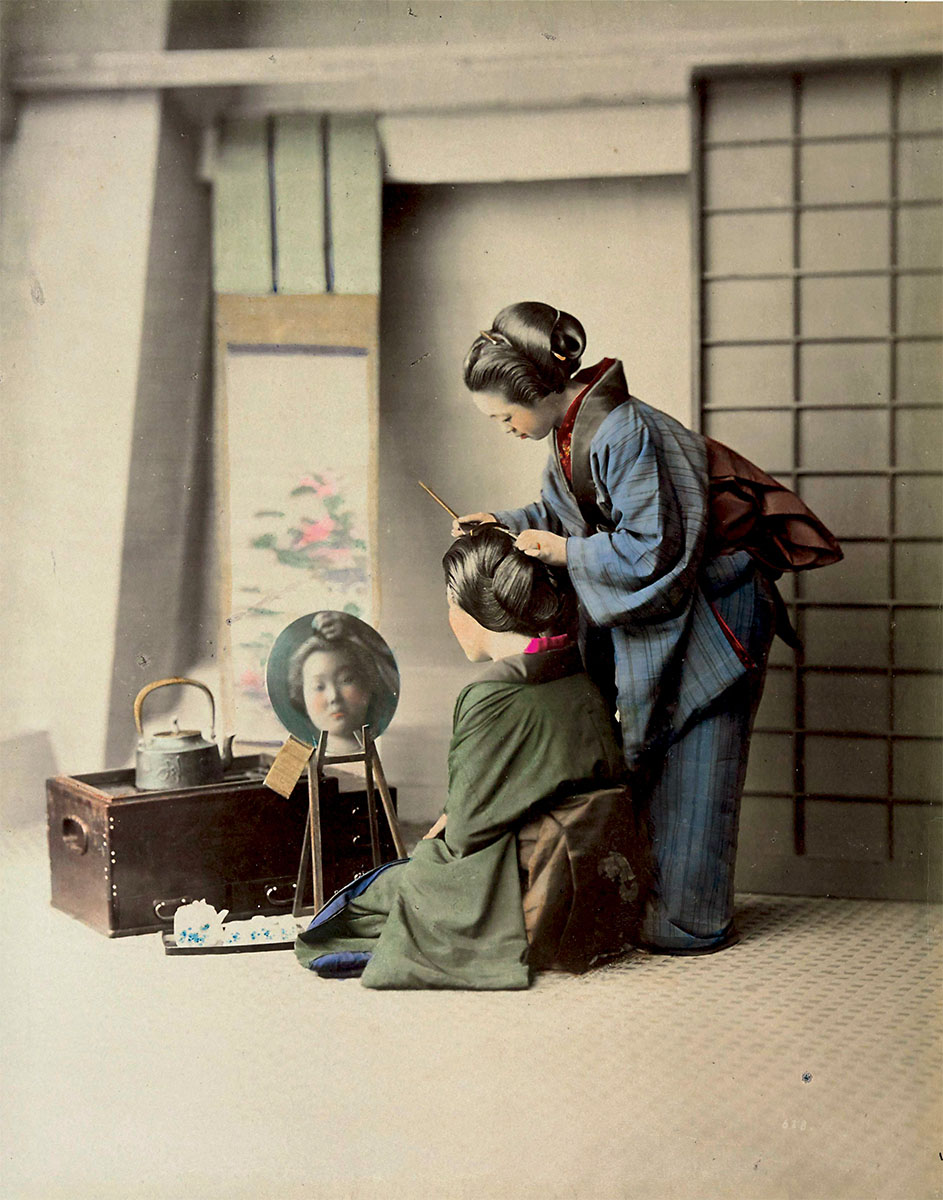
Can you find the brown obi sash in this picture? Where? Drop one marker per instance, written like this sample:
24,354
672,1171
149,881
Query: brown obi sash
752,511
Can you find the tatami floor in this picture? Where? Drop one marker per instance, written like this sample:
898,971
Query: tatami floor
804,1063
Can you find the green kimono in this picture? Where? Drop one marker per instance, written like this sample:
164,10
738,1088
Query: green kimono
532,729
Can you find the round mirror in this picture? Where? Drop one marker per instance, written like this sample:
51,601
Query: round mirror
331,672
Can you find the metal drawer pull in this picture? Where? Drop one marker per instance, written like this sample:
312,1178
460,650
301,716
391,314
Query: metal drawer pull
75,835
160,904
272,898
355,838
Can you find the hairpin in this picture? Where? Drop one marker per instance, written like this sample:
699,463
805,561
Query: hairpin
556,320
491,338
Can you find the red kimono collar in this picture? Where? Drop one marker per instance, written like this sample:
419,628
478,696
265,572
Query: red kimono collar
537,644
564,433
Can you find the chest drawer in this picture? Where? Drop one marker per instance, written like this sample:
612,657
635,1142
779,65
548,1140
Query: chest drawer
122,860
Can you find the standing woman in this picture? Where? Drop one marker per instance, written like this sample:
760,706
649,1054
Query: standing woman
672,542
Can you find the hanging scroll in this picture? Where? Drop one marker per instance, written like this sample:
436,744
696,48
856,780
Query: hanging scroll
297,479
296,204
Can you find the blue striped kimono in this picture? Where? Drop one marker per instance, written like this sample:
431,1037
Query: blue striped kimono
689,638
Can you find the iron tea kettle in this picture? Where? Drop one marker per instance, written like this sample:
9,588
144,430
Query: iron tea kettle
178,758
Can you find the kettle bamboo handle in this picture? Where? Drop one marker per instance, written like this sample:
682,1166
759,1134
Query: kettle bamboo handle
176,679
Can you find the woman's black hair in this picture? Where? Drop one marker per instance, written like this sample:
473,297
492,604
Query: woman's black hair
531,350
504,589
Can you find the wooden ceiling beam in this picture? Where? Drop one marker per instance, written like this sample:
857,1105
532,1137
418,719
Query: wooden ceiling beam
436,77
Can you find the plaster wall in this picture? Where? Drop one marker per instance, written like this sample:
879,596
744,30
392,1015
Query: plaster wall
85,26
76,194
76,190
167,617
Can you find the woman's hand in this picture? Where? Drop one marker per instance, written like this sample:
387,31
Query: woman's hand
471,519
550,548
331,625
436,829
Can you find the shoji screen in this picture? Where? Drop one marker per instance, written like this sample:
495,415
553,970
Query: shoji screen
820,256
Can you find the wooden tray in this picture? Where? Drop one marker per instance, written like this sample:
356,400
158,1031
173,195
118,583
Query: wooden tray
171,947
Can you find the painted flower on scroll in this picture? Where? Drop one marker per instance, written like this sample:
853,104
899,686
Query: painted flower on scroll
304,551
318,533
252,682
321,485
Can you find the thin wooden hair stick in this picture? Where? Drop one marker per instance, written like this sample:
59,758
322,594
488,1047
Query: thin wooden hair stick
438,499
468,527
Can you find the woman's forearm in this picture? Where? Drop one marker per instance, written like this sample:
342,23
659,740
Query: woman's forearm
538,515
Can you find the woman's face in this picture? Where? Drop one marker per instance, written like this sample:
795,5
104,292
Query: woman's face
525,423
335,693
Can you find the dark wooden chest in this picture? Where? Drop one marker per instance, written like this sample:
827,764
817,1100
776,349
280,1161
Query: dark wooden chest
123,860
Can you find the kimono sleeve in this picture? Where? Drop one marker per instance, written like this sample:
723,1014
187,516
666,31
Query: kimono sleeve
654,480
539,515
493,745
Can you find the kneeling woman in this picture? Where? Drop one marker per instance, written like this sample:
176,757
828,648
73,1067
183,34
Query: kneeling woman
530,734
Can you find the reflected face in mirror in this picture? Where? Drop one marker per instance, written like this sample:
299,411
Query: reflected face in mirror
336,694
331,673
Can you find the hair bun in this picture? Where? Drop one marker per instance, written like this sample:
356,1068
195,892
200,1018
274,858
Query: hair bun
527,591
567,338
504,589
